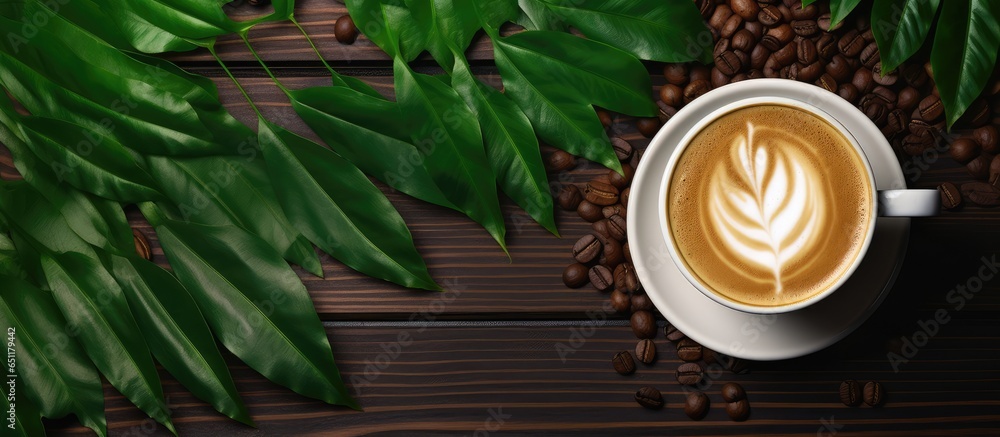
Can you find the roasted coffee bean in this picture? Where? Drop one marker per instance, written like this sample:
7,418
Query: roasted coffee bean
839,68
575,275
755,28
777,37
738,411
648,126
786,12
769,15
733,24
719,16
623,150
628,255
826,82
622,271
895,122
705,7
645,351
623,363
672,95
977,114
560,161
605,118
141,245
600,228
874,393
930,108
907,99
612,253
624,198
887,95
643,324
689,350
600,193
951,198
738,366
676,74
649,397
689,374
862,80
914,75
995,172
616,227
621,302
850,393
771,67
870,55
920,127
916,144
719,78
666,112
883,79
805,28
589,212
848,92
806,52
981,193
732,392
616,209
790,72
601,278
673,334
876,111
748,9
979,167
621,180
800,12
696,406
812,72
826,46
867,34
824,22
728,63
570,197
699,72
587,249
641,302
851,43
753,74
743,41
988,138
787,54
964,150
696,89
344,30
758,56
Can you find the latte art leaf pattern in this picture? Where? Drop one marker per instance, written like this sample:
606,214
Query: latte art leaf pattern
764,205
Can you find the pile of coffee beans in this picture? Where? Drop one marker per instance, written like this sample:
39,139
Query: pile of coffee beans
852,394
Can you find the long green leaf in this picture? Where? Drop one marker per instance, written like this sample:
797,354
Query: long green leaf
27,419
900,28
451,142
338,208
233,190
510,144
256,305
453,23
839,10
91,299
54,371
10,264
536,15
413,34
964,53
177,334
659,31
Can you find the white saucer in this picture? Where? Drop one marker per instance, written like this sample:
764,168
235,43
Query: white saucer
759,337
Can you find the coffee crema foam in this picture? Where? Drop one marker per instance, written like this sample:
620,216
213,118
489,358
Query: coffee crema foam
769,205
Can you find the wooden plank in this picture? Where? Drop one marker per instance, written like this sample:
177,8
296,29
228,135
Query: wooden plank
452,380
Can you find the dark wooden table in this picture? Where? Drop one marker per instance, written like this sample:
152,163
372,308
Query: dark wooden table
484,357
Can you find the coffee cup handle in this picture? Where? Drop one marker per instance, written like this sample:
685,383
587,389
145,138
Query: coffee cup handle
908,203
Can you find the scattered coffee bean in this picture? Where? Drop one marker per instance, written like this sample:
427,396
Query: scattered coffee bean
850,393
981,193
141,245
777,37
628,254
743,41
645,351
560,161
623,150
979,167
600,228
641,302
612,253
676,74
881,78
672,95
988,138
874,393
648,126
719,78
839,68
623,179
673,334
848,92
964,150
616,227
589,212
587,249
805,28
643,324
738,411
709,356
895,122
616,209
696,89
769,15
623,363
732,392
951,198
733,24
622,272
649,397
600,193
605,118
621,301
787,54
930,108
696,406
977,114
575,275
827,82
570,197
748,9
826,46
689,350
344,30
995,172
601,277
689,373
870,55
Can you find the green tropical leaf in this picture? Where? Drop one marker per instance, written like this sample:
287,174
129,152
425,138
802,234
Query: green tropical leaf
900,28
536,15
839,10
256,305
451,143
27,419
178,335
335,205
963,56
454,23
10,264
91,299
232,190
54,371
412,33
659,31
510,144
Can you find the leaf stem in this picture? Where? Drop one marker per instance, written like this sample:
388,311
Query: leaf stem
315,49
211,49
262,64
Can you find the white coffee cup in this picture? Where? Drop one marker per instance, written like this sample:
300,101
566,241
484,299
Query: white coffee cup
887,203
